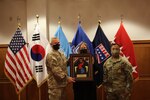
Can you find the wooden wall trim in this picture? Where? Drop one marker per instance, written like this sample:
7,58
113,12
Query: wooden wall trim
144,79
3,45
141,41
133,41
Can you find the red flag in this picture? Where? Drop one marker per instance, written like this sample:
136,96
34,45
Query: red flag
17,63
127,49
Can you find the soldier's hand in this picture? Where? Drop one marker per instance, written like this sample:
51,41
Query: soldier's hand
70,79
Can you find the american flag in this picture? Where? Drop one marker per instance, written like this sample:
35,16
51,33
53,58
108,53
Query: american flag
101,53
17,63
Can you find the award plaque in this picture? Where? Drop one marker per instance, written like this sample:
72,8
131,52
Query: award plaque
81,67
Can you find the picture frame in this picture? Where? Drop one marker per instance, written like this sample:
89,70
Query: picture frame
81,67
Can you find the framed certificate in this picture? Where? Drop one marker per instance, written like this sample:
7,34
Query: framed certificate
81,67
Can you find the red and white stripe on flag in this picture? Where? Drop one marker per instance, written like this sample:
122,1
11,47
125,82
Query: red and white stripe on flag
17,63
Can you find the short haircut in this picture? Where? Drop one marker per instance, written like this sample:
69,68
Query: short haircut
112,44
54,40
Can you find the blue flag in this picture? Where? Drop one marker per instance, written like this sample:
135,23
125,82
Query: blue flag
102,52
64,45
80,37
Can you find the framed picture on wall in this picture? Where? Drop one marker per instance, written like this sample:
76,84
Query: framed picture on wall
81,67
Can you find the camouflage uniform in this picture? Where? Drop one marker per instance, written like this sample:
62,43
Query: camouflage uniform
57,80
117,79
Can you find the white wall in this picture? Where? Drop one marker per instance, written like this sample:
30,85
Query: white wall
36,7
136,17
9,10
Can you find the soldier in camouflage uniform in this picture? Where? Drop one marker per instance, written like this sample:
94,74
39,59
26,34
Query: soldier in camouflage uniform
56,64
117,78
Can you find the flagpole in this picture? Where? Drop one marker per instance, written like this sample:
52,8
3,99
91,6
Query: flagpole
121,17
59,20
37,18
18,22
19,96
39,93
99,20
79,19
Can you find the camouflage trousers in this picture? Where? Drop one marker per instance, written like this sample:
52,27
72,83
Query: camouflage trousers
56,94
117,95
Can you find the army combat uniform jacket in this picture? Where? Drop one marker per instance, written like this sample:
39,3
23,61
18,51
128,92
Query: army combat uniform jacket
57,69
117,75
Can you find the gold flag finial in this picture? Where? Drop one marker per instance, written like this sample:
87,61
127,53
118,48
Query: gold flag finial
59,20
121,17
18,22
37,17
79,19
99,19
